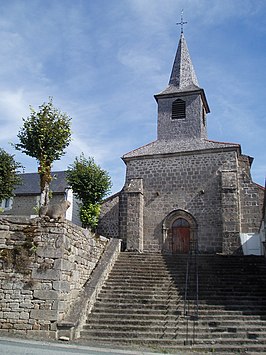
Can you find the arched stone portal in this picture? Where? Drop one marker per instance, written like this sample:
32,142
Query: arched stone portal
179,232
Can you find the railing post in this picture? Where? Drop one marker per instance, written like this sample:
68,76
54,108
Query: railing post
191,297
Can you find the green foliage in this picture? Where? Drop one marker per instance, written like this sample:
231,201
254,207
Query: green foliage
44,136
90,184
9,177
89,215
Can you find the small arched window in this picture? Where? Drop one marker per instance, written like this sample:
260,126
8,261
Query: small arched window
178,109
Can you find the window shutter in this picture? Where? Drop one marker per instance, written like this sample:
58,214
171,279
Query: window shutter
178,109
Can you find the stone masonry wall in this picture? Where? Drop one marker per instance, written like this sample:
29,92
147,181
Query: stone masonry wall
251,196
230,212
187,181
134,213
191,126
43,267
108,225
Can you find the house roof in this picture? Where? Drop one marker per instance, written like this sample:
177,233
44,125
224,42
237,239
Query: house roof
31,183
172,146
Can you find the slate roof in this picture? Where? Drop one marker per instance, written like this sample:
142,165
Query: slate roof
31,183
183,76
172,146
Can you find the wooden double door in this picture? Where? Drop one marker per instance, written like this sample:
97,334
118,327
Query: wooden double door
181,234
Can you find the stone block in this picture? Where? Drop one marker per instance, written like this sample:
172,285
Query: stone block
26,305
23,326
11,315
50,252
44,314
45,294
62,286
24,315
63,264
49,274
4,235
4,227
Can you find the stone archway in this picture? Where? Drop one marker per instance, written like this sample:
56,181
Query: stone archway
179,232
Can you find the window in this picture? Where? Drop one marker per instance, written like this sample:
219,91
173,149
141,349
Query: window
178,109
6,204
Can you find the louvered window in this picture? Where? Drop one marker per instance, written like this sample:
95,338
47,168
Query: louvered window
178,109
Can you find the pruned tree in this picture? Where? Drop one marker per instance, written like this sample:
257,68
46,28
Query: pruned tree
90,183
9,178
45,135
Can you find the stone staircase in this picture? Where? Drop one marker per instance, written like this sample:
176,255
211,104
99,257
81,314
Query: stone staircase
142,303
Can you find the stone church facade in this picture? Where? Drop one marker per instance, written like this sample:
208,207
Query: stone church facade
183,190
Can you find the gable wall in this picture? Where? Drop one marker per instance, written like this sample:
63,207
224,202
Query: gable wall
188,182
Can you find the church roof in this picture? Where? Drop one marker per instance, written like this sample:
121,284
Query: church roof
173,146
183,77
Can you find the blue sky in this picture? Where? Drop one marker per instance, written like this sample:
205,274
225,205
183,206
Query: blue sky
102,61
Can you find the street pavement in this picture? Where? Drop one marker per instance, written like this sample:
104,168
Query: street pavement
15,346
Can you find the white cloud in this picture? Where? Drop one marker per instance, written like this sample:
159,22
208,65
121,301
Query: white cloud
12,106
103,61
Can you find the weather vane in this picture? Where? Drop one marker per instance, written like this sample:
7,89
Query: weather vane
182,23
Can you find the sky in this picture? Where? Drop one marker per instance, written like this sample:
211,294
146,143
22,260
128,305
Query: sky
102,61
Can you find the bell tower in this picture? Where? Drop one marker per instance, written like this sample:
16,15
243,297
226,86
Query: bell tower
182,106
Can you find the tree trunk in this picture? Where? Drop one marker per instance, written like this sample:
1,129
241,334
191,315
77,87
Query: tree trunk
45,195
45,179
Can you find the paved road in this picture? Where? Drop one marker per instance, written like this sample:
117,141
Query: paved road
14,346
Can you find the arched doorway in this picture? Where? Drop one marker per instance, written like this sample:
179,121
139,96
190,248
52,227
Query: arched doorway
179,232
180,236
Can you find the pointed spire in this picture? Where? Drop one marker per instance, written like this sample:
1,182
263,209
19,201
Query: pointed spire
183,75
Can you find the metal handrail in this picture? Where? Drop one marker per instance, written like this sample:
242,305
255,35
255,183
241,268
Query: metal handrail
191,309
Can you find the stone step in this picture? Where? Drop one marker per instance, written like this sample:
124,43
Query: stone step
176,294
210,319
166,286
233,281
172,289
177,328
175,312
181,325
161,304
203,258
176,338
179,302
142,302
177,334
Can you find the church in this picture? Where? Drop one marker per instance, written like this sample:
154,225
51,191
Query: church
183,191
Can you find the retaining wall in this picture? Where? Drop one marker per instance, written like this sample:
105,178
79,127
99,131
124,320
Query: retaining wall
43,268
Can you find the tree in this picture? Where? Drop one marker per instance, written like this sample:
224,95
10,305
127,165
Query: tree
44,136
9,177
90,184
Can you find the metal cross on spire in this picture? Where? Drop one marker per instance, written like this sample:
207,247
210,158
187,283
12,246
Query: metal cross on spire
182,23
